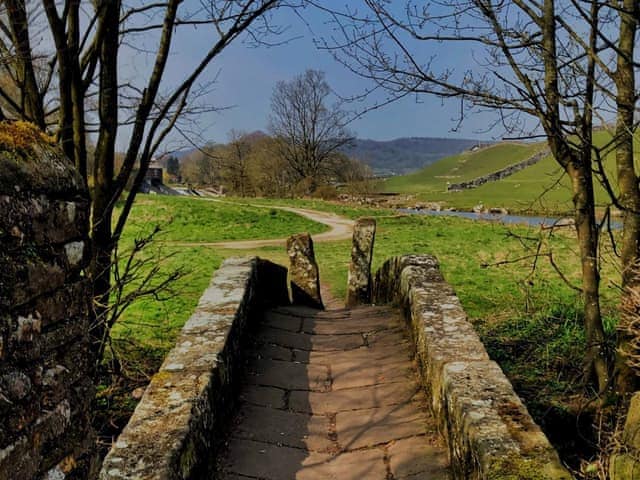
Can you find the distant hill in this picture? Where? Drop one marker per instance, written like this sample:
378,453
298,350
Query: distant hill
405,155
461,167
539,188
392,157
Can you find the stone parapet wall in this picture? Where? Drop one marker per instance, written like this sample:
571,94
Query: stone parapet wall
176,428
489,432
499,175
45,382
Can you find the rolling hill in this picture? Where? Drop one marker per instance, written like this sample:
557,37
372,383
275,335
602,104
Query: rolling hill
539,188
393,157
459,168
404,155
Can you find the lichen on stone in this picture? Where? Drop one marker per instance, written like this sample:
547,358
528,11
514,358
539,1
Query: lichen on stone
22,136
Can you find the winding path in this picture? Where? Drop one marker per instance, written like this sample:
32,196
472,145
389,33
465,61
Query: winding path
340,228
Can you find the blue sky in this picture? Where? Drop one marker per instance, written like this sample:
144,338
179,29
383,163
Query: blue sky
247,75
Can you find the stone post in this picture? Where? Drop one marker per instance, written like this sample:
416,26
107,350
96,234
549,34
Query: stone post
303,271
359,280
45,385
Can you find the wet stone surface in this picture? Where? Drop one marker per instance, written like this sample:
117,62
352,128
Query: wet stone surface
332,395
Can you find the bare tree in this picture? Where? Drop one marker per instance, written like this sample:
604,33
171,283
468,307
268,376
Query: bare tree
87,39
236,161
308,131
530,64
628,199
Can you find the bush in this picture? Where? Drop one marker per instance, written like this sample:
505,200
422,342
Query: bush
326,192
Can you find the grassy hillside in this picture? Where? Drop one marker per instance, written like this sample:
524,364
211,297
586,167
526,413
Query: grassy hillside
540,188
404,155
461,167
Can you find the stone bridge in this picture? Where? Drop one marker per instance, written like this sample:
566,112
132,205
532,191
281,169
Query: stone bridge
398,386
259,388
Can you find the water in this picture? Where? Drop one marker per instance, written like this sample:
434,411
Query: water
500,218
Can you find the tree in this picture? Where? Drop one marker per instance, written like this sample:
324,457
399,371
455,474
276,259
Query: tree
269,173
173,166
531,64
308,131
86,40
235,161
202,166
628,199
349,170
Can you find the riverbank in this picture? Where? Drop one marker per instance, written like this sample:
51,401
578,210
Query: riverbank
506,218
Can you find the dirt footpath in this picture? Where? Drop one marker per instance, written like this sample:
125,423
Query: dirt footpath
340,228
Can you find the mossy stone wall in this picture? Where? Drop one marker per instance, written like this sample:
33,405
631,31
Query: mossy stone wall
45,386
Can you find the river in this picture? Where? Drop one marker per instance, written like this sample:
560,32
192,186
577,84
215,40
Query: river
532,221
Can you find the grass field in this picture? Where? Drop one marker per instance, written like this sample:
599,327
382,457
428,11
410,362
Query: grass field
192,219
529,318
148,329
463,167
314,204
463,247
540,188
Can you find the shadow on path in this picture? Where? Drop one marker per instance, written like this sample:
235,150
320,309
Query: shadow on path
332,395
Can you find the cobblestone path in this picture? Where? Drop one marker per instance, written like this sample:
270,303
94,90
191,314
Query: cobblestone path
333,395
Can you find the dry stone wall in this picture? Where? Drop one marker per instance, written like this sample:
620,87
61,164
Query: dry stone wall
45,386
490,434
499,175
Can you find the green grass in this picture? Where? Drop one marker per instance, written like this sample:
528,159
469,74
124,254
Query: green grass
148,328
154,324
315,204
529,318
462,246
540,188
191,219
458,168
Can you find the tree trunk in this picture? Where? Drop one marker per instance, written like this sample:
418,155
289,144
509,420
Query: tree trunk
31,99
595,361
626,378
103,201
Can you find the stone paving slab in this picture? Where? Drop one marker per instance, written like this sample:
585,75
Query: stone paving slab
285,321
336,327
303,341
379,425
353,398
353,374
417,458
274,352
332,395
283,427
289,375
364,354
270,461
264,396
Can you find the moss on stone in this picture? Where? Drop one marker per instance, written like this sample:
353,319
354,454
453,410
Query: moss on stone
22,136
188,458
30,160
516,467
